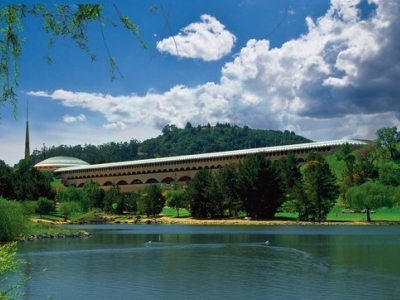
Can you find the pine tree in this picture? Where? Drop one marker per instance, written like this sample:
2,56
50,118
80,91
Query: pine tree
320,187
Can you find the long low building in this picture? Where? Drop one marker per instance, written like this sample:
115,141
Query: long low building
133,175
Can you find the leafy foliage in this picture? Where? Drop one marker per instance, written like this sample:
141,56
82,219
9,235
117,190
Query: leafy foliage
369,195
152,200
12,220
206,139
114,200
176,199
72,194
388,137
30,184
9,265
109,152
59,20
227,182
320,189
198,193
94,194
45,206
259,186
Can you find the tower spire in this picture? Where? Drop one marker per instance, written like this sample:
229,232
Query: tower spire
27,149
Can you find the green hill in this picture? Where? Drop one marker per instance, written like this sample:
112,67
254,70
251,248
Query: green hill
206,139
175,141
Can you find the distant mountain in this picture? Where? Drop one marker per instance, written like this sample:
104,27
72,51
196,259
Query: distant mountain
175,141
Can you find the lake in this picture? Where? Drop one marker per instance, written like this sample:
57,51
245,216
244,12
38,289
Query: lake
216,262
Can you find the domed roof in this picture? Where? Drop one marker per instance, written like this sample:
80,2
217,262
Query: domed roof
60,162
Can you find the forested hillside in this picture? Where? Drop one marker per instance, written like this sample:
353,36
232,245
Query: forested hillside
175,141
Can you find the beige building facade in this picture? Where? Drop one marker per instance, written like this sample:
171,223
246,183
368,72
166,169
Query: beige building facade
134,175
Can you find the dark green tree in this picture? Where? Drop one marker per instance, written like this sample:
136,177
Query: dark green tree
12,220
177,199
305,207
389,174
131,200
370,195
114,200
94,194
227,180
217,203
388,137
260,189
289,173
66,209
45,206
320,186
198,194
152,200
6,178
73,194
30,184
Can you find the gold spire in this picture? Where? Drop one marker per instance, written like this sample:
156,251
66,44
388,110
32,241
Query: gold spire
27,150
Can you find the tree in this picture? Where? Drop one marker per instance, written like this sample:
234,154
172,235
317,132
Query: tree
67,208
73,194
289,173
131,200
6,189
227,180
389,174
153,200
304,206
45,206
320,186
389,137
114,200
198,194
369,195
260,189
12,220
94,194
30,184
60,20
177,199
10,264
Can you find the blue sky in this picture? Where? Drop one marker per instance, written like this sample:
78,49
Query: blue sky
323,69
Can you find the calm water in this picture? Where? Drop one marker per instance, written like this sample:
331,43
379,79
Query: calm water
217,262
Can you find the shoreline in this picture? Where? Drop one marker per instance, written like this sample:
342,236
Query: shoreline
191,221
168,220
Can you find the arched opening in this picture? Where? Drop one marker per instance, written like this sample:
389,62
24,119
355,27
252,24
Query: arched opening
167,180
108,183
122,182
152,180
136,181
185,178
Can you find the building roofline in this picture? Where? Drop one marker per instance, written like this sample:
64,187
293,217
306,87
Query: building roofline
291,147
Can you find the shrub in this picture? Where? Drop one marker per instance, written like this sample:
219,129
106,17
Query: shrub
12,220
45,206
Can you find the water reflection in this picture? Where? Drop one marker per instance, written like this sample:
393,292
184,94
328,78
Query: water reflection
197,262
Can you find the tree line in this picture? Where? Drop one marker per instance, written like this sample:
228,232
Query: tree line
174,141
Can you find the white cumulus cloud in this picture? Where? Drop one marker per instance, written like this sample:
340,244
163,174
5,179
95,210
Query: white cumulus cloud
71,119
339,79
207,40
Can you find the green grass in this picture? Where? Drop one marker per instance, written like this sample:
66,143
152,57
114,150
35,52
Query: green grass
183,213
381,215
